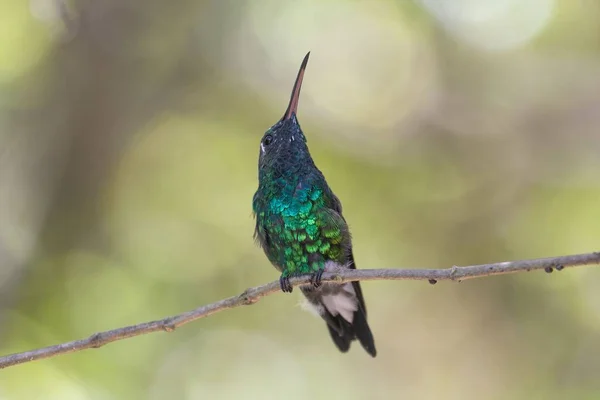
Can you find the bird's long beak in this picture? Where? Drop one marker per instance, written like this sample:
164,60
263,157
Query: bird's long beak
293,106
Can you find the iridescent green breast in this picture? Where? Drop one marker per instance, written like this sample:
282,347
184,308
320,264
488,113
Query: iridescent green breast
299,228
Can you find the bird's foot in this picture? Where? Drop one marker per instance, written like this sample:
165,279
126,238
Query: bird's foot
284,283
315,278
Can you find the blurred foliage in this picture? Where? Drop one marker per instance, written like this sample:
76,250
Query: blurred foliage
455,133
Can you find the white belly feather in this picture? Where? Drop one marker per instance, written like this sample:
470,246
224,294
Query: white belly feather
336,299
343,303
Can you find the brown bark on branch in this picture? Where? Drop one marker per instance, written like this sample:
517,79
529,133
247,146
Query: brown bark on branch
252,295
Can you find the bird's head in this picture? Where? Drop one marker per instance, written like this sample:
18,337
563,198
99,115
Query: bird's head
284,143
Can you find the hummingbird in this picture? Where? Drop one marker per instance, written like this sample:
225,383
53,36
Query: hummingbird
301,229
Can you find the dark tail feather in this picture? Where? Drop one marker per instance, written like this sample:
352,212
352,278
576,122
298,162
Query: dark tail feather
341,341
360,324
343,333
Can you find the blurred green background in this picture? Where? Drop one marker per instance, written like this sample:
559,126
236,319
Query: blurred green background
454,132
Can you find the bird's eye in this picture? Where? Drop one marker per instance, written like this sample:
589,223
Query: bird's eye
268,140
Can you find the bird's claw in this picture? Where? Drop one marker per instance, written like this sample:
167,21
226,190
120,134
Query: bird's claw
315,279
284,283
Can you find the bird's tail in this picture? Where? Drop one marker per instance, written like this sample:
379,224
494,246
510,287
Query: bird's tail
343,332
343,308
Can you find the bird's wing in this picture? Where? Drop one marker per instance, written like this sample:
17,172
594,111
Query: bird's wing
260,234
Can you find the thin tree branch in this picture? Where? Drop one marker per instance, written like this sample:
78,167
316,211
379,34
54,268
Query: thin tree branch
252,295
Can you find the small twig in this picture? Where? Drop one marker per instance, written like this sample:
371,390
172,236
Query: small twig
252,295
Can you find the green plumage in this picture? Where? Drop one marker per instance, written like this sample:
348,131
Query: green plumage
297,222
300,227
